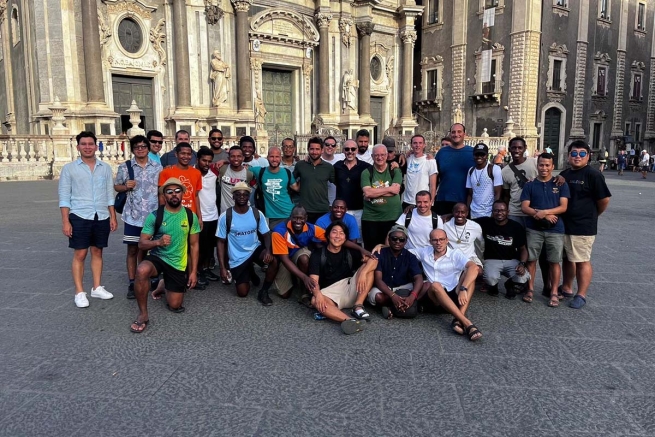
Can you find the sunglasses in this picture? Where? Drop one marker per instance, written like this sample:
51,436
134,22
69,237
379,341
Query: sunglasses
141,147
575,154
330,145
398,239
349,149
171,191
157,141
216,138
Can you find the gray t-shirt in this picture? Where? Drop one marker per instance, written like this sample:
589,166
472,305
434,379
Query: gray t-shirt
221,156
229,180
515,186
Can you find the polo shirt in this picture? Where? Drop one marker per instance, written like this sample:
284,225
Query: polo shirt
348,183
445,270
286,242
397,271
313,185
349,220
544,195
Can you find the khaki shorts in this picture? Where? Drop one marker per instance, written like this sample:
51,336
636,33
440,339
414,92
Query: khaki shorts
343,293
578,247
283,280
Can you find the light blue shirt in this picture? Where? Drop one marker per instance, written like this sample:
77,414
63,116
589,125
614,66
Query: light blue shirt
86,192
243,239
155,157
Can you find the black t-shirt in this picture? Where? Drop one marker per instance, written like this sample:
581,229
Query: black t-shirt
335,269
501,242
348,183
587,186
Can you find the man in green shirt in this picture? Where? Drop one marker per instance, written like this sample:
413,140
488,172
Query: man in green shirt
382,206
171,248
314,176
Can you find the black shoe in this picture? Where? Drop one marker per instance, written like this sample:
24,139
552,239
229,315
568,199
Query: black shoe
199,287
201,280
492,290
130,291
210,276
264,298
510,289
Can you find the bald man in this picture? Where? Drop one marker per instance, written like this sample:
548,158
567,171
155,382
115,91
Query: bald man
348,176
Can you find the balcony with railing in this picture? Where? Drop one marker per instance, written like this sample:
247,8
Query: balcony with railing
486,92
429,97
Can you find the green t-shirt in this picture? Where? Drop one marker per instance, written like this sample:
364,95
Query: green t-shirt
383,209
176,225
313,185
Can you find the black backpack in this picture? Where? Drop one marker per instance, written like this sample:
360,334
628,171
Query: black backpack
221,173
435,220
259,191
121,198
228,219
490,171
159,218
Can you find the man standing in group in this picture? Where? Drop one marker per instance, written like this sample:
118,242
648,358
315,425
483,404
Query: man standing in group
156,142
289,158
328,155
382,206
314,177
421,173
484,183
190,177
209,211
216,144
420,221
86,203
348,176
589,199
172,243
520,171
621,160
142,199
363,154
229,176
247,144
543,201
170,158
453,163
644,163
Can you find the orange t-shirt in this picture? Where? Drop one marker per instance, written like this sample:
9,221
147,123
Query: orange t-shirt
192,180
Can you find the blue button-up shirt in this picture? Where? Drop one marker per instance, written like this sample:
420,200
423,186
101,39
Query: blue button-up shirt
85,192
144,199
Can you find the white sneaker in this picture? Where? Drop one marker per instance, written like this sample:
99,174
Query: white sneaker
81,301
101,293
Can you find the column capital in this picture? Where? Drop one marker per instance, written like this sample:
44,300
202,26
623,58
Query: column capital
408,36
323,19
365,28
241,5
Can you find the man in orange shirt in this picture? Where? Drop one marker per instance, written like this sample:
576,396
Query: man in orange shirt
189,176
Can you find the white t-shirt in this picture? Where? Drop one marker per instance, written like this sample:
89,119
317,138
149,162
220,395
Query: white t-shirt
256,162
466,235
332,189
207,197
644,159
483,190
419,229
366,157
417,177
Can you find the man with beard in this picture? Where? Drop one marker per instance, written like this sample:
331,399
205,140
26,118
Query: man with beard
190,177
363,154
328,155
170,234
453,163
216,144
420,221
464,234
156,141
348,176
247,144
207,198
239,229
314,176
170,158
483,184
589,199
229,176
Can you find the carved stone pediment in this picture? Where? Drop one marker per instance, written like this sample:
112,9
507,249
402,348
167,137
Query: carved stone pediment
284,26
138,7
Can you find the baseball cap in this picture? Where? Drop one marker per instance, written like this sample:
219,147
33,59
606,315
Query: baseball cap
389,142
172,181
241,186
480,148
398,228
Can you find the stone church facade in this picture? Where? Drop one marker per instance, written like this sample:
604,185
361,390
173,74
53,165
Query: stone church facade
267,68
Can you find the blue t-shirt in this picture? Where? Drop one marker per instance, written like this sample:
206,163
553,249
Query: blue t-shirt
243,240
545,195
350,221
453,166
277,201
154,157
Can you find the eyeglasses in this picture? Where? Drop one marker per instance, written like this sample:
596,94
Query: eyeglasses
398,239
437,240
157,141
216,138
349,149
575,154
142,146
176,191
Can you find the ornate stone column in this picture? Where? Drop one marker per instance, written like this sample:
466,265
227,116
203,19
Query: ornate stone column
10,122
650,113
323,22
365,29
408,37
244,86
181,50
95,90
580,72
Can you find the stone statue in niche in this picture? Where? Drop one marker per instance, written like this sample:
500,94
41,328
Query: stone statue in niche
349,91
219,76
457,114
260,112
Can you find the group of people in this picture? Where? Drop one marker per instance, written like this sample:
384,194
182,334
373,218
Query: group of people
364,228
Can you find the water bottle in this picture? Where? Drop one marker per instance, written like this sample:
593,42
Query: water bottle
319,316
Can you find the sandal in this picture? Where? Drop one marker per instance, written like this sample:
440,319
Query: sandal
386,313
554,301
473,333
138,327
360,313
529,295
457,327
352,326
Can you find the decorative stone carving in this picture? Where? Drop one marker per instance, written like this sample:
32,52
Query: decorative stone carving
219,76
389,70
105,31
365,28
459,74
3,10
287,27
408,37
260,112
323,20
213,12
579,91
58,117
307,73
241,5
457,114
157,37
617,122
345,27
135,7
556,92
650,113
256,68
135,120
349,91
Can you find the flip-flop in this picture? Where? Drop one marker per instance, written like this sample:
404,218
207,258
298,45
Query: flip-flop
352,326
175,310
554,301
142,325
360,313
386,313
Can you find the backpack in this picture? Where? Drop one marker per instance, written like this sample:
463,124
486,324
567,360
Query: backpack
121,198
259,191
228,219
490,171
159,219
349,257
221,173
435,220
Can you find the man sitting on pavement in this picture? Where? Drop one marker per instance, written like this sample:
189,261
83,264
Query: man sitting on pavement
505,251
239,229
171,240
398,278
420,221
338,211
334,286
446,271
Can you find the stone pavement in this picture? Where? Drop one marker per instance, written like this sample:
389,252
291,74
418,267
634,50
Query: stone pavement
228,366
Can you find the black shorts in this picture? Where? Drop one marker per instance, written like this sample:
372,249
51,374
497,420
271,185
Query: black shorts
207,241
241,273
430,307
87,233
174,280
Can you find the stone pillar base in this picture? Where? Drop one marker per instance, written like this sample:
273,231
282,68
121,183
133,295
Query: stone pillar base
183,116
63,151
407,124
577,133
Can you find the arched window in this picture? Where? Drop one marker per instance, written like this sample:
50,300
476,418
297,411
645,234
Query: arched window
15,26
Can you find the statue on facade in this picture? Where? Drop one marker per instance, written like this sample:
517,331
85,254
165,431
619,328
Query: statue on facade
457,114
219,76
260,112
349,91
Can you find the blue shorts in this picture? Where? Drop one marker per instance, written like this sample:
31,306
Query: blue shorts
87,233
132,234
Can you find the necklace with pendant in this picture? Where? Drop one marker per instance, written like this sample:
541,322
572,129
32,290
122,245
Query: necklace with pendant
459,236
479,176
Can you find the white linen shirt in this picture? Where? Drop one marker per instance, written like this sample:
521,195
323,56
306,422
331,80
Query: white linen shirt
445,270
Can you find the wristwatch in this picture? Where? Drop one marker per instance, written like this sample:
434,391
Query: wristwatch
462,288
522,263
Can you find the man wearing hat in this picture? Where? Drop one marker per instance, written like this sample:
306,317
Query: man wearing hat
484,183
239,228
398,278
172,242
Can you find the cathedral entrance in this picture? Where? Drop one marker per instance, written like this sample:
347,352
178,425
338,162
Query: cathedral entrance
278,100
126,89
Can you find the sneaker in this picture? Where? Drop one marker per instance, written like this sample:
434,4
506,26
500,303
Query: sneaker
201,280
101,293
130,291
264,298
81,301
210,276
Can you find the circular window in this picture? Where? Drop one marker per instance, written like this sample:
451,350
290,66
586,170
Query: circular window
130,36
376,68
